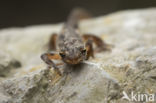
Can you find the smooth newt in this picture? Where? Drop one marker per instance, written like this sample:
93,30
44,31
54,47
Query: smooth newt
72,47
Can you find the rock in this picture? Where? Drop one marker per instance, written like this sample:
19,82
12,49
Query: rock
147,59
7,64
43,86
21,90
129,67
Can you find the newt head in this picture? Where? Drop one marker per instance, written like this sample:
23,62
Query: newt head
73,53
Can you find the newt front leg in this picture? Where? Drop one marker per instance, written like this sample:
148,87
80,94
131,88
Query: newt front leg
89,49
48,57
100,44
52,42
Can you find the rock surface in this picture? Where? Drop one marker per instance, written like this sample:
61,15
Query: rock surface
7,63
131,66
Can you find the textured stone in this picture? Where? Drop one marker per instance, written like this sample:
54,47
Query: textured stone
7,63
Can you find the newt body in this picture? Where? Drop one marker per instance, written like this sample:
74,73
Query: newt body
73,48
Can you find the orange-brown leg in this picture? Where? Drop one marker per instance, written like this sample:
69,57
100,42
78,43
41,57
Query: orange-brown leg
101,45
52,42
58,64
48,57
89,49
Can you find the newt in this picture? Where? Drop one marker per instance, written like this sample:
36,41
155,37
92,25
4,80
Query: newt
72,48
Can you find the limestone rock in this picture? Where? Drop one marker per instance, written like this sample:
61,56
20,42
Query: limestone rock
129,67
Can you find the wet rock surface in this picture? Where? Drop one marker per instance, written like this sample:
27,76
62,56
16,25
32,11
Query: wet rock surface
129,67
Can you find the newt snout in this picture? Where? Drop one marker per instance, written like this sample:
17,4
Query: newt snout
74,56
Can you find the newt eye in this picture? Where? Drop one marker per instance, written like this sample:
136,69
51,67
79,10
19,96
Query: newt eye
62,55
83,51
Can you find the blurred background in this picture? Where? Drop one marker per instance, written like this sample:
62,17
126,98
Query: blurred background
17,13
